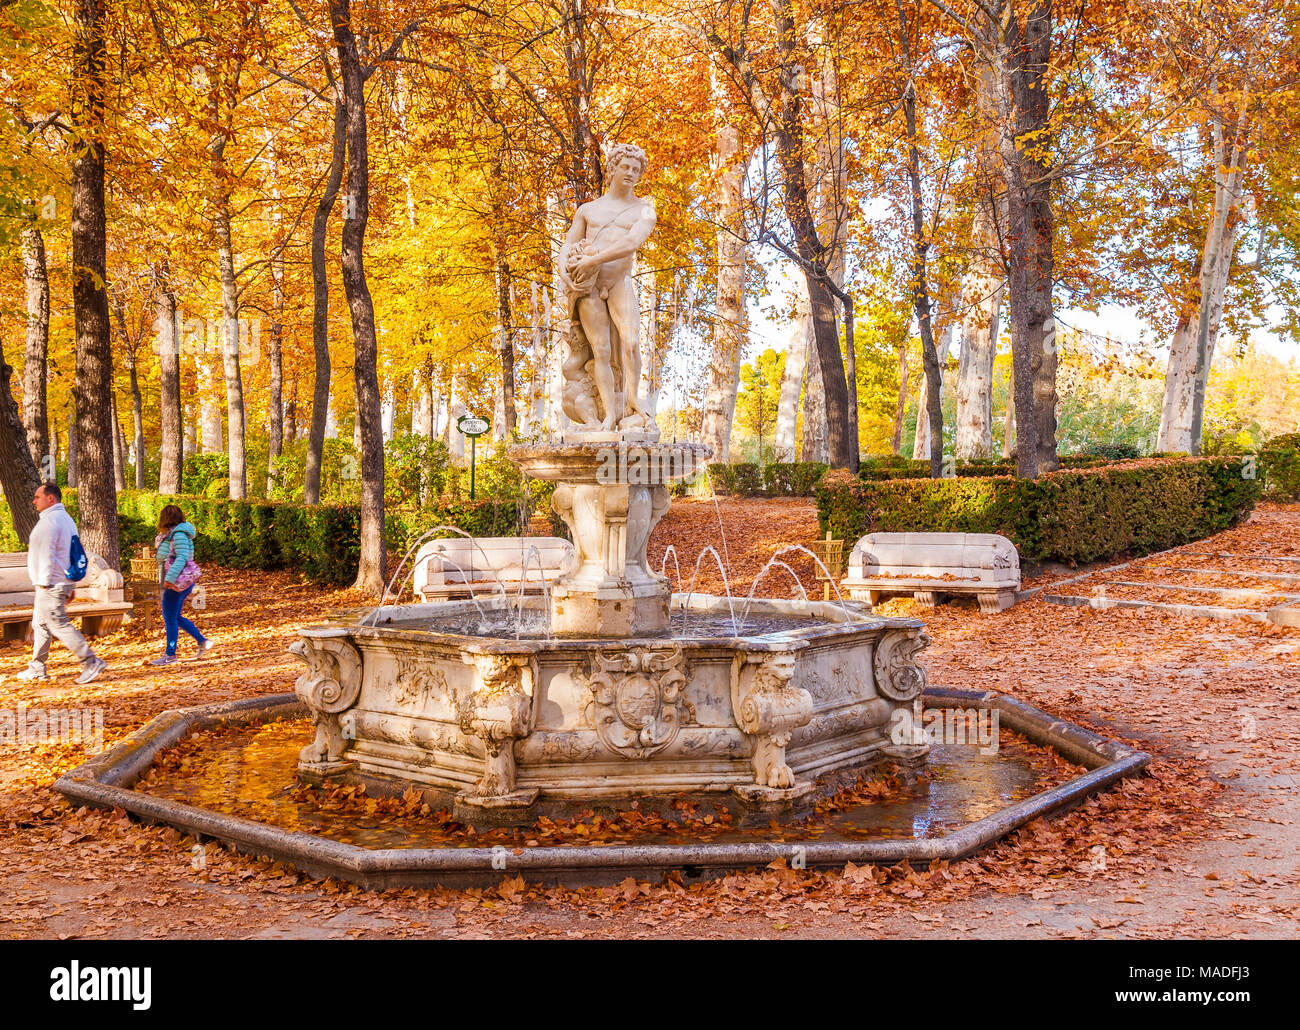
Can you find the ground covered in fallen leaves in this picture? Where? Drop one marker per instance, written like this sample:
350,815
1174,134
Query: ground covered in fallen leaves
1204,845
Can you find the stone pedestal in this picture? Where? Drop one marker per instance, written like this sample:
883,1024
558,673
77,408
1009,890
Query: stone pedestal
611,492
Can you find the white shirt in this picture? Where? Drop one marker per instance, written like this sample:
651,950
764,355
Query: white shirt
48,548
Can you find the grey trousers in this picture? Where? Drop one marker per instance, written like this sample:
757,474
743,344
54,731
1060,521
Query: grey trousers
50,619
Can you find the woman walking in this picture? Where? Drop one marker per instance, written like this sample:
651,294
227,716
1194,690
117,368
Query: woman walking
175,550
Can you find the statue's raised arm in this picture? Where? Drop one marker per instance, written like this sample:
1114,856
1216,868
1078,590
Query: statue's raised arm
603,369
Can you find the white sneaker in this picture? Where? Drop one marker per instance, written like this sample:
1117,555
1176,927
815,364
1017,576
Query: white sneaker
93,672
31,674
204,648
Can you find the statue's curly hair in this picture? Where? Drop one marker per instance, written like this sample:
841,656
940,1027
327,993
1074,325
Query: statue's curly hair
620,151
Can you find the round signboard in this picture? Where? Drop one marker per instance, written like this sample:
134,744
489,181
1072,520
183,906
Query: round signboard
473,425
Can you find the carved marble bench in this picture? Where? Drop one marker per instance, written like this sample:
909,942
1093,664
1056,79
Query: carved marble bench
462,568
99,600
930,565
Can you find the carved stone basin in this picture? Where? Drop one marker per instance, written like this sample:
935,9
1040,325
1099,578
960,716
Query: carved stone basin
610,493
504,724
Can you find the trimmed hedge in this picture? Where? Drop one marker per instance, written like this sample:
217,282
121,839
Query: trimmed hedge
1071,515
1279,459
775,479
322,541
800,478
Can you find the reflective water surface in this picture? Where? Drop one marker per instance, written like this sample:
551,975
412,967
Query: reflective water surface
251,772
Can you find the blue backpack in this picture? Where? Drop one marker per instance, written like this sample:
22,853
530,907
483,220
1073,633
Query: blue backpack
77,556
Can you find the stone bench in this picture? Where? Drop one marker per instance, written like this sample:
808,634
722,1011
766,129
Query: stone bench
99,601
931,565
462,568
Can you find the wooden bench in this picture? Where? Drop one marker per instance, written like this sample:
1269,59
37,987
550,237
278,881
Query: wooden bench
99,601
458,567
932,565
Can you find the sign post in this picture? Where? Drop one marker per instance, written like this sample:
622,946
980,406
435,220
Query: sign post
472,426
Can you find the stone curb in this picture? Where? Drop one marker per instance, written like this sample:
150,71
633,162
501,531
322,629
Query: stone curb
103,782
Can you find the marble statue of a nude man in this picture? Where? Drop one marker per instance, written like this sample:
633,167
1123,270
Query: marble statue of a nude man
605,311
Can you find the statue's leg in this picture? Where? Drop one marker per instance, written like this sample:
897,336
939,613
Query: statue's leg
625,312
595,325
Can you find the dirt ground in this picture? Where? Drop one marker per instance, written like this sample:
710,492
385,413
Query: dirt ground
1204,845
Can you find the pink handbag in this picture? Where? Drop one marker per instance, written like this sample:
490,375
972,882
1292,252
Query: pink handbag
190,574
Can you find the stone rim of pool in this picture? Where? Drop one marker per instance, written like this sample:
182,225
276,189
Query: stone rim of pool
105,782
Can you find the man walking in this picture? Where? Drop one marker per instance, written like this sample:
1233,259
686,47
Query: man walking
48,558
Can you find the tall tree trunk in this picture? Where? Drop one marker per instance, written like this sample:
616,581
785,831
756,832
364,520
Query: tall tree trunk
816,434
212,438
97,499
901,408
275,402
831,177
729,324
171,455
372,569
74,462
291,413
119,447
1192,348
35,363
1033,108
73,457
982,309
18,475
1009,421
1022,111
137,427
320,404
230,353
813,254
933,409
505,346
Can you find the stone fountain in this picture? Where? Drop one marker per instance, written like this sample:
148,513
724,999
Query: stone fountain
626,691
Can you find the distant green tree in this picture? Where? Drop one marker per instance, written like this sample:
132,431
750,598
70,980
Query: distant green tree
757,402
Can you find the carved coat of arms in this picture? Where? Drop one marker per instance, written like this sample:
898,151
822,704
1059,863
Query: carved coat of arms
636,704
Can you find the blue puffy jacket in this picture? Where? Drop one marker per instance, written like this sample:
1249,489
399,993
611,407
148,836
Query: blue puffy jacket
182,539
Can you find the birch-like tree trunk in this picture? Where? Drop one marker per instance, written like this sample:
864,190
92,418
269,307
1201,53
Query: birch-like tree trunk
792,376
729,324
816,435
36,355
787,413
212,438
229,338
982,306
74,456
984,283
1192,349
171,454
119,447
900,409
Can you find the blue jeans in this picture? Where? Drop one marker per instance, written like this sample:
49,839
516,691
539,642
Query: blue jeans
172,602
